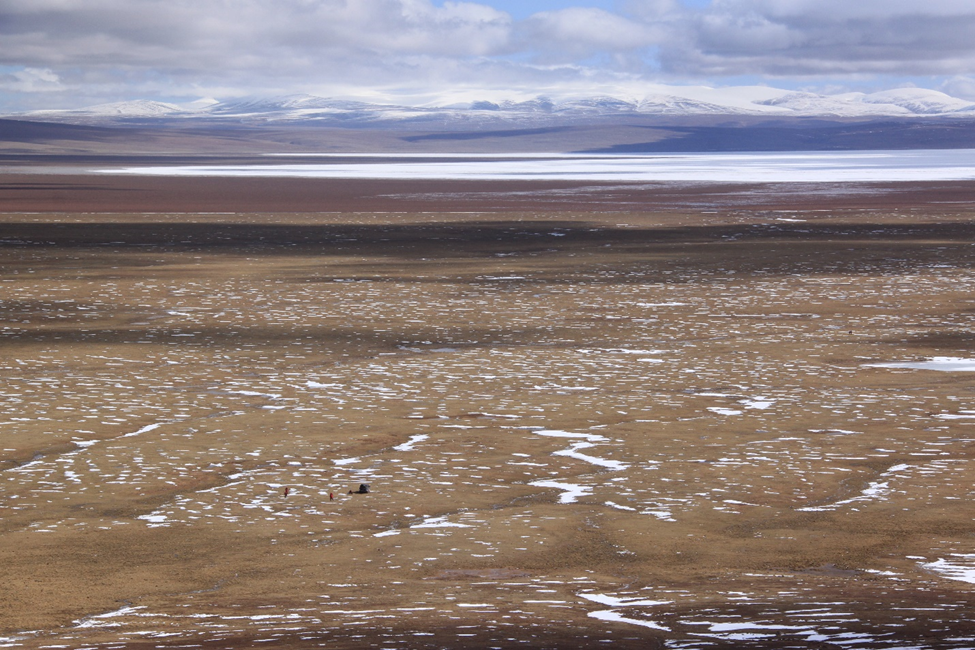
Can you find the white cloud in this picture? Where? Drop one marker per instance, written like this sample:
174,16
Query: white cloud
744,32
581,31
650,10
31,80
844,10
121,48
824,37
960,86
178,31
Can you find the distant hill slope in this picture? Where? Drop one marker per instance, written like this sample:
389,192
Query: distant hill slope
871,135
21,140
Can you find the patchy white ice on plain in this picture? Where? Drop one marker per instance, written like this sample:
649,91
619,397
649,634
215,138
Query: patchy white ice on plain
155,521
802,167
410,444
829,623
621,351
616,617
615,601
942,364
315,384
439,522
104,620
963,414
580,418
758,403
571,492
145,429
874,491
254,393
958,566
557,433
720,410
573,452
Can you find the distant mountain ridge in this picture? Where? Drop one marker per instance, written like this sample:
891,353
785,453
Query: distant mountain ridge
673,101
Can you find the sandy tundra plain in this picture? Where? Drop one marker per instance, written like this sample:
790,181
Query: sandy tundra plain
701,417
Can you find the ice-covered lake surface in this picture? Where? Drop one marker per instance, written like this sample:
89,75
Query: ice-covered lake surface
804,167
571,429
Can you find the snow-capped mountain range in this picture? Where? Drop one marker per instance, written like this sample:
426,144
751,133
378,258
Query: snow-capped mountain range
660,101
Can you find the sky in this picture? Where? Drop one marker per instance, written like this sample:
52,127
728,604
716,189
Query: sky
72,53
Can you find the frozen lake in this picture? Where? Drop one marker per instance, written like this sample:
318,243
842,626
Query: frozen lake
788,167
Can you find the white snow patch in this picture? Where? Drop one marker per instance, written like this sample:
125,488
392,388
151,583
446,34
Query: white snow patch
438,522
154,520
613,601
145,429
315,384
759,403
409,444
964,414
573,452
724,411
99,620
556,433
961,569
942,364
616,617
570,491
874,491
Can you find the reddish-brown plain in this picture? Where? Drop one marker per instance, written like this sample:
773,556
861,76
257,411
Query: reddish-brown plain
590,415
